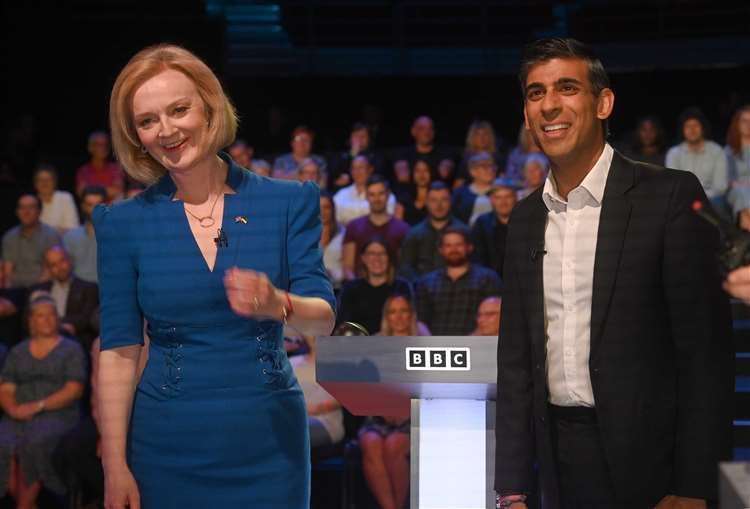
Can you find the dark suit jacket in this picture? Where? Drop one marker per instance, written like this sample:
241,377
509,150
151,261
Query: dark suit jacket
661,358
82,304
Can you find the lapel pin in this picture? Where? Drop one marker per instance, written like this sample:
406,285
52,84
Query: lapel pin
240,219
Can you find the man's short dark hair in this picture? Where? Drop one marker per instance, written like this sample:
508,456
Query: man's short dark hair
46,168
95,190
694,113
439,186
360,126
455,230
33,195
377,179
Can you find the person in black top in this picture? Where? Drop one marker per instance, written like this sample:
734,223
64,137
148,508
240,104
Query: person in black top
490,229
412,198
361,300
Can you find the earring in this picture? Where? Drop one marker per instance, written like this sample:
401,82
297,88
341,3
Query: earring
143,149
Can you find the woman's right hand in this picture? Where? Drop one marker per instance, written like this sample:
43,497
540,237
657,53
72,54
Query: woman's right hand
121,490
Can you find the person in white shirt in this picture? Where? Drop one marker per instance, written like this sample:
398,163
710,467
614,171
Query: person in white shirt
351,201
58,207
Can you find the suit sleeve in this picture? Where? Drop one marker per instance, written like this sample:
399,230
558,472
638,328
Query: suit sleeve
80,318
514,436
121,319
307,275
700,325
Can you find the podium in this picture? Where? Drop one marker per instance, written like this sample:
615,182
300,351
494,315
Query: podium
447,385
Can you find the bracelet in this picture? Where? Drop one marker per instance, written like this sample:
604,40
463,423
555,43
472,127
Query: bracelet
288,310
41,404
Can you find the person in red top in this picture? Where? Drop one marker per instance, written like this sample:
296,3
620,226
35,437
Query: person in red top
100,170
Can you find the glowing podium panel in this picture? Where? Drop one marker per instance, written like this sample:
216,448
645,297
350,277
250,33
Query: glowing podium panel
447,385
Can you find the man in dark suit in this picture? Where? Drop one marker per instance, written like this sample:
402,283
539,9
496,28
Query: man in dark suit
615,365
77,301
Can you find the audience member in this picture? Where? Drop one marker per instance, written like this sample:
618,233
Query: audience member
700,156
413,197
75,300
377,224
24,245
488,317
12,305
517,157
80,242
351,201
448,298
646,144
285,167
419,250
261,167
384,440
423,133
470,200
738,160
490,229
481,137
308,170
58,207
241,153
324,415
40,385
100,171
359,144
361,300
534,173
331,240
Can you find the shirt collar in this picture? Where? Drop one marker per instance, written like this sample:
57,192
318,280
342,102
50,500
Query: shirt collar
594,182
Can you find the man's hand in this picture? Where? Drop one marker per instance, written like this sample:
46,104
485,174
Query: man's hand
737,284
675,502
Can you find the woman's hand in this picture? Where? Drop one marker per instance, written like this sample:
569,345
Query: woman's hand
121,490
25,411
251,294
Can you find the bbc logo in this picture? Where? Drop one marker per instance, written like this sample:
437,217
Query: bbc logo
441,359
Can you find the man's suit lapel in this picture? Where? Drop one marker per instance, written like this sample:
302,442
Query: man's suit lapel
533,260
613,225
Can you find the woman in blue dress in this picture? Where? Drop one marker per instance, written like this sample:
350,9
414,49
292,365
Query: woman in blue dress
216,260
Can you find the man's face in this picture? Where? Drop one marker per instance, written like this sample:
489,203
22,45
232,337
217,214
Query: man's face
28,211
423,131
89,202
438,204
309,172
503,200
99,146
454,250
488,317
359,139
361,170
241,154
58,264
377,197
647,133
534,174
302,144
560,108
692,130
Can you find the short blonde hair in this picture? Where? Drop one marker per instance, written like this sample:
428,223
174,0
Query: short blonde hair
147,63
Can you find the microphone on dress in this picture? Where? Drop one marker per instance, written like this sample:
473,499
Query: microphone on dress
221,240
537,252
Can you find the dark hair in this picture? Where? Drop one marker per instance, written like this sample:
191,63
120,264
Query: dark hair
33,195
328,196
360,126
303,129
377,179
544,50
659,141
97,190
457,230
46,168
439,186
693,113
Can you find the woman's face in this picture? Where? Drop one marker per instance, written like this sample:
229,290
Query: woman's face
744,124
482,139
398,315
375,258
421,174
326,210
43,320
170,118
44,183
647,133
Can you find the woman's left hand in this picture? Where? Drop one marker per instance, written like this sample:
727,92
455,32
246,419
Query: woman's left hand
26,411
251,294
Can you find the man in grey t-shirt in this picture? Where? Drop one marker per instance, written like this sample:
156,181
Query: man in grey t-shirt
24,245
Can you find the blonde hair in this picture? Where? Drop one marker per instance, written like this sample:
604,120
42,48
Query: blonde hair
147,63
385,328
474,128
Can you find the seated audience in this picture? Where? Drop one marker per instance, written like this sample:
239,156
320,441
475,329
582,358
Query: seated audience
488,317
491,229
309,171
100,171
534,173
700,156
361,300
646,144
58,207
80,242
412,198
11,311
481,137
448,298
351,201
24,245
517,157
470,200
241,153
377,224
385,440
737,150
40,386
285,167
331,240
423,133
324,415
359,144
261,167
76,301
419,250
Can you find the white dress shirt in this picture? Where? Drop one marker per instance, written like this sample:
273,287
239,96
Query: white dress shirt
570,242
350,204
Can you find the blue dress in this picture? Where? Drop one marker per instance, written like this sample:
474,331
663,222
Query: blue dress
218,417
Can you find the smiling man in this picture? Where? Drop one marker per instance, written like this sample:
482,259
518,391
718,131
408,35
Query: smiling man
615,365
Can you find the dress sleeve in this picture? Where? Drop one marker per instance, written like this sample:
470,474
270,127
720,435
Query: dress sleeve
120,315
307,275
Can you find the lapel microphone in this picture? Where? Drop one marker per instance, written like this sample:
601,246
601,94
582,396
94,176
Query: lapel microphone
221,239
537,252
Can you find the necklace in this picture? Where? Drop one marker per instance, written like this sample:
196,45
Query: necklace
205,221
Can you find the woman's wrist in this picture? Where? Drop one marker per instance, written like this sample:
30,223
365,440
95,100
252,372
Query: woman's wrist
41,405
